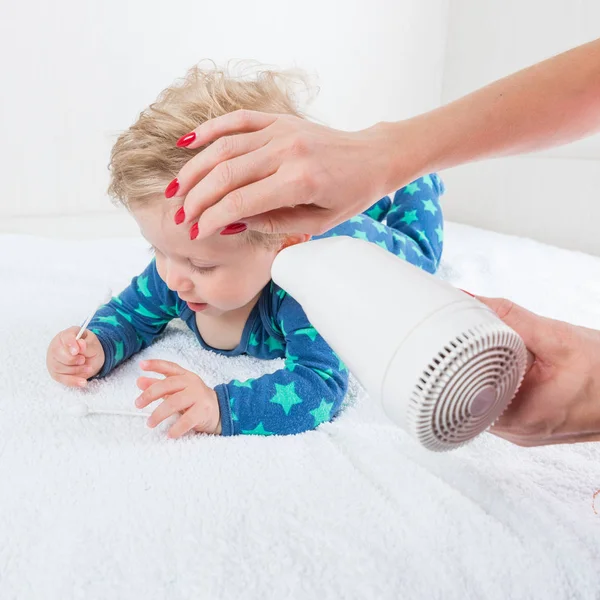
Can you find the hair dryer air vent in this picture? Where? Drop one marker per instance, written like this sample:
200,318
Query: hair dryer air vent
466,386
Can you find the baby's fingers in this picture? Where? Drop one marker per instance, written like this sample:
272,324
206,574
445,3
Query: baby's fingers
63,355
144,383
70,380
162,387
69,347
81,369
187,422
169,407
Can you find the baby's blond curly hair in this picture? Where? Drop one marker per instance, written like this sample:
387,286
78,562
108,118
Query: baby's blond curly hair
145,157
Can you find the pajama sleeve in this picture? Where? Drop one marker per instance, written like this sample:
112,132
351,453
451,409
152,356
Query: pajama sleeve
414,223
134,318
306,392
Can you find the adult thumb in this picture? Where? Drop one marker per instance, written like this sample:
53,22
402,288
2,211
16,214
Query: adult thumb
537,332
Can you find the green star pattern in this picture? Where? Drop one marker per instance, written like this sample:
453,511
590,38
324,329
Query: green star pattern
246,384
341,366
118,351
356,219
415,248
253,340
322,413
290,362
142,310
273,344
440,233
258,430
422,236
111,320
410,216
281,293
234,417
430,206
311,332
375,212
142,286
360,235
380,227
383,245
286,396
427,181
117,300
412,188
125,315
323,374
170,310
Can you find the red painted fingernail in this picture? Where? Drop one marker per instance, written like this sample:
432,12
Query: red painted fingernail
468,293
180,216
186,140
172,188
234,228
194,231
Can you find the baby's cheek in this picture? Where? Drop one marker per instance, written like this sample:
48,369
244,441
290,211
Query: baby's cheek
160,267
240,289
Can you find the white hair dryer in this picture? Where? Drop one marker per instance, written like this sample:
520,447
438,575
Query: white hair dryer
442,364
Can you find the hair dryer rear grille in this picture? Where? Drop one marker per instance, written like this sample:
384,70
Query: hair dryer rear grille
467,386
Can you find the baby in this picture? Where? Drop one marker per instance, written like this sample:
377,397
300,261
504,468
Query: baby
221,286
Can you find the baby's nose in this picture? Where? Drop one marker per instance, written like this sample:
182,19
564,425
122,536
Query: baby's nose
177,281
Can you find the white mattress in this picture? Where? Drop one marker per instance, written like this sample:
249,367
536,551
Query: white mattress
103,508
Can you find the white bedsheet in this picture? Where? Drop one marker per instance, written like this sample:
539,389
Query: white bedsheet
103,508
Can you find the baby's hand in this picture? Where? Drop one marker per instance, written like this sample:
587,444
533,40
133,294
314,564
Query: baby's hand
72,362
185,393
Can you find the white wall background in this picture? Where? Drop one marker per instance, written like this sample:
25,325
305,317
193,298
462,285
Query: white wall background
552,196
74,73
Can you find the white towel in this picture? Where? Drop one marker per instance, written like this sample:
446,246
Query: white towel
104,508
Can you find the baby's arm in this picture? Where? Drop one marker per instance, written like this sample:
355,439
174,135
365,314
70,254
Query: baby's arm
306,392
133,319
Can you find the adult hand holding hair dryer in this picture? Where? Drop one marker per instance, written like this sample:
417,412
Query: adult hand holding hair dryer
442,364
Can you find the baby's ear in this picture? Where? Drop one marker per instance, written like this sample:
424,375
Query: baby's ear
292,239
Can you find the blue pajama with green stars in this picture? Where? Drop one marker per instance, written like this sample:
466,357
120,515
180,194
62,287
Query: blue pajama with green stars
311,386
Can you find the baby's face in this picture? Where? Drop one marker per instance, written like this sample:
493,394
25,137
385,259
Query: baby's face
213,275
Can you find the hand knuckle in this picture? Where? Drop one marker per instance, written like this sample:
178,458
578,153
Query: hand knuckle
224,174
236,201
243,117
223,147
299,146
504,307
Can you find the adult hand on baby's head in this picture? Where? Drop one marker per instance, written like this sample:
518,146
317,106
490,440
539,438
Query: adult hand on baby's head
184,393
275,163
72,362
559,400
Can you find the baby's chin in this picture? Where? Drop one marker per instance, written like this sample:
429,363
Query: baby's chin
217,311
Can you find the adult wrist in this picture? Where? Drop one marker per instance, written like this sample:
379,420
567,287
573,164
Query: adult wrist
405,152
